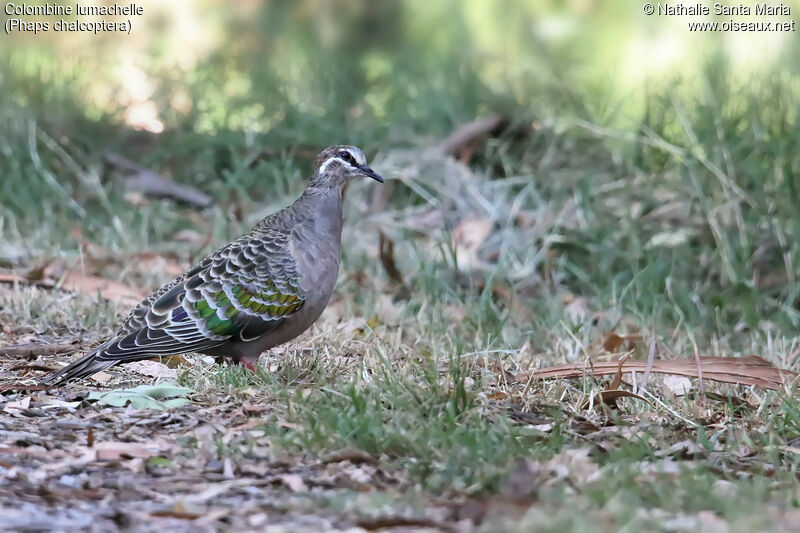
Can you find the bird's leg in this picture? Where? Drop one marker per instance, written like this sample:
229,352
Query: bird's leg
248,365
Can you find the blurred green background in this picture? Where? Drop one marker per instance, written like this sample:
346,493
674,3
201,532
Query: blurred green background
658,168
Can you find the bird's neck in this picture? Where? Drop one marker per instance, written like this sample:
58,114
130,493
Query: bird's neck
315,197
322,209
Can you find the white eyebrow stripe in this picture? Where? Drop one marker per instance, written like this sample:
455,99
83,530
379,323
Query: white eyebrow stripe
358,156
328,161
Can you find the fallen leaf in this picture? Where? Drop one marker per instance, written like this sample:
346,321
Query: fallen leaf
613,341
577,309
466,138
30,350
400,523
677,385
17,406
12,278
468,237
354,456
163,396
173,361
749,370
76,282
21,387
181,511
386,251
155,185
114,451
101,377
610,397
106,288
153,369
612,392
47,402
294,482
154,262
509,296
684,449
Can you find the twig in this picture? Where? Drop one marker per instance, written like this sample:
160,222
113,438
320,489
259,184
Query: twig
153,184
463,142
386,247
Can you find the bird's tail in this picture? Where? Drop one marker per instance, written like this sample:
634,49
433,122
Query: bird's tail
84,367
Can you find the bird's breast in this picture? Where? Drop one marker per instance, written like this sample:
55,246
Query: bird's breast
316,247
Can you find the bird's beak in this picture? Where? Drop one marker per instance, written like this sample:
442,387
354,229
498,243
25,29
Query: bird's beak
370,173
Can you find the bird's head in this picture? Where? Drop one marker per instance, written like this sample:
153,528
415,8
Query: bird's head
336,164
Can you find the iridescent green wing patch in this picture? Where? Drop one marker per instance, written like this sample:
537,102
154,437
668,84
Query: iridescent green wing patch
269,304
212,321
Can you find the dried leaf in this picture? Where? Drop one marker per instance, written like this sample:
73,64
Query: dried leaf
17,406
468,237
612,392
155,185
294,482
154,262
114,451
5,277
20,387
749,370
153,369
509,297
677,385
400,522
30,350
386,247
463,142
612,342
610,397
354,456
577,309
101,377
108,289
173,361
615,383
76,282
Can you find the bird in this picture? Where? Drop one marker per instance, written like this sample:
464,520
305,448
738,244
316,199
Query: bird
259,291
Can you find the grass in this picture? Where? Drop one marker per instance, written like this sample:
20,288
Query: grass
681,226
421,379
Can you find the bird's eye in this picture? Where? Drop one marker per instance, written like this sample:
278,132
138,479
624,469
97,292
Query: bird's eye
347,156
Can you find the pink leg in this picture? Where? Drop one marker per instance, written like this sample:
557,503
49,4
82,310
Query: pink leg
248,365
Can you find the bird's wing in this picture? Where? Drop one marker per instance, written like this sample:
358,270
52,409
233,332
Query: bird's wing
244,290
240,292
